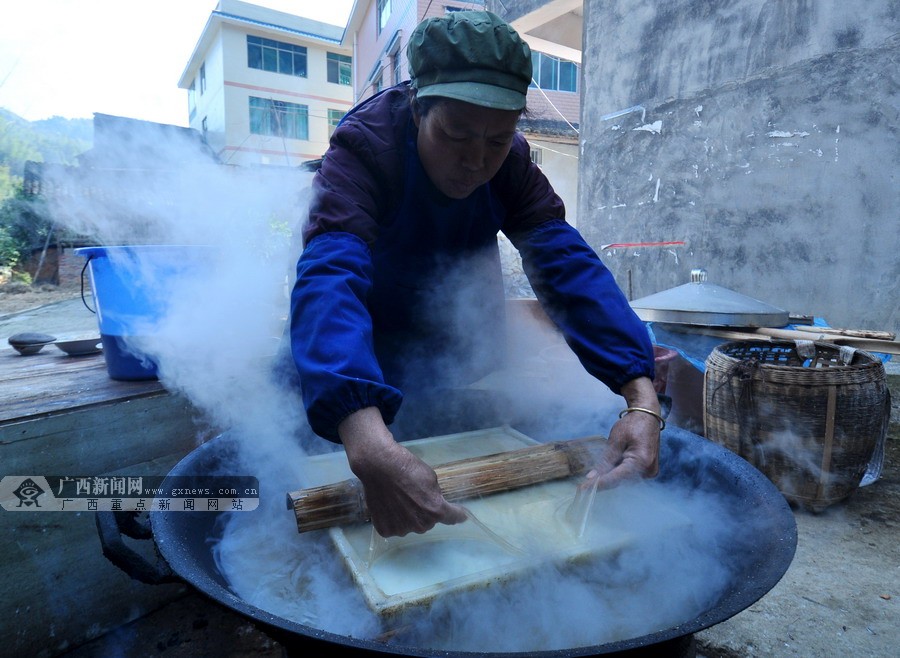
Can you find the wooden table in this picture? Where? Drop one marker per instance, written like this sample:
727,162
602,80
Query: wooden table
63,415
51,382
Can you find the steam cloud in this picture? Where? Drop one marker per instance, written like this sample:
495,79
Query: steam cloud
221,320
217,343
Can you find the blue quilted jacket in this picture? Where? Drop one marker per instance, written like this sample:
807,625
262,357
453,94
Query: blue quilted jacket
384,299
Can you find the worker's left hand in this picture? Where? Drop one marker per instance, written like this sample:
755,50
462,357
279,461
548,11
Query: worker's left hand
633,449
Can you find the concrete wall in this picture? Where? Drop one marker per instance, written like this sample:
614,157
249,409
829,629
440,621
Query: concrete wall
510,11
767,143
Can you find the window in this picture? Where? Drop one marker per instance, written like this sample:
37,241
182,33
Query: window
554,74
278,118
202,78
334,118
276,56
192,100
383,12
395,68
395,65
339,68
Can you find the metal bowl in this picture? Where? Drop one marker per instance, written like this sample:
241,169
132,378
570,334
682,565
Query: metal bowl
29,343
80,347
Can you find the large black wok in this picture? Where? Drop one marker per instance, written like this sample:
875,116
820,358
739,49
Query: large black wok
183,541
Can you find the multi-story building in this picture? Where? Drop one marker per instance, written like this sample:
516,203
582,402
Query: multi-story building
266,87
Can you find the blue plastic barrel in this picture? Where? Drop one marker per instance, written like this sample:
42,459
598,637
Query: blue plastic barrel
132,287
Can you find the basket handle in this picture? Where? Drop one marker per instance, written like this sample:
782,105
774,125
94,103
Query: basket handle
83,300
806,349
847,354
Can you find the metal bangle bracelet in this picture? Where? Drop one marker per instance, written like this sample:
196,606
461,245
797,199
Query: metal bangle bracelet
662,421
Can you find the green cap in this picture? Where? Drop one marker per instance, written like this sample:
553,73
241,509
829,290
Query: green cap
470,56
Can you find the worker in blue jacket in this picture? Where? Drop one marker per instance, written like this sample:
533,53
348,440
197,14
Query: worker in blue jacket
406,208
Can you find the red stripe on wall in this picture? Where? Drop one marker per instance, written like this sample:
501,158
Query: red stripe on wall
244,149
282,92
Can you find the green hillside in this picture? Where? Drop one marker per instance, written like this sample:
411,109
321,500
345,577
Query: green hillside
48,140
55,140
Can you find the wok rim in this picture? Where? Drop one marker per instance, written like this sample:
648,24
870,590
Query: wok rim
737,597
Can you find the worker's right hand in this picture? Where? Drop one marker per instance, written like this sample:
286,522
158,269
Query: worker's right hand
402,492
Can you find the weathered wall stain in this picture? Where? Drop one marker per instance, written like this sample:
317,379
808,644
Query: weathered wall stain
776,156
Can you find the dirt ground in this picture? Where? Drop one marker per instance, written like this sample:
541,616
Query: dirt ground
17,297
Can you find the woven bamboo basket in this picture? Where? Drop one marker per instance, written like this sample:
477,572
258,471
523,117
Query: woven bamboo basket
809,415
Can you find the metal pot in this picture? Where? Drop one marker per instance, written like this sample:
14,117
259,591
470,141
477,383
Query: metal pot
702,303
183,542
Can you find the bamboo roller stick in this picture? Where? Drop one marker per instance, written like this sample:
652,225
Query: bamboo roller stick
343,502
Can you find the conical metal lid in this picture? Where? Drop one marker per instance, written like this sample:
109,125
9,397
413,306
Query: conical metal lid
703,303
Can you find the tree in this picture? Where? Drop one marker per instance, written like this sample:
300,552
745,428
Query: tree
7,183
9,250
24,222
24,226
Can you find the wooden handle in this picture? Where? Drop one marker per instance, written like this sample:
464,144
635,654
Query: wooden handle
343,502
767,335
853,333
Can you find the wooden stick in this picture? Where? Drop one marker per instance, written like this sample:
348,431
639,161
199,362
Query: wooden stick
867,344
343,502
730,334
855,333
766,334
